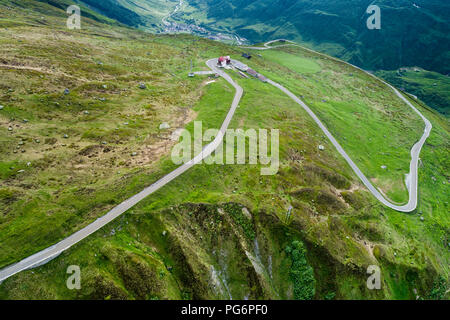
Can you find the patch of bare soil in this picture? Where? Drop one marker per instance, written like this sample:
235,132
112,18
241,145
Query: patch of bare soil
40,69
150,153
369,246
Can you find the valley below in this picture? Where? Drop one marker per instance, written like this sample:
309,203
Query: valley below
88,122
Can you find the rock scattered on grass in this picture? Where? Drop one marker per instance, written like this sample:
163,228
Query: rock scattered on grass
66,91
134,154
321,147
65,136
164,126
142,85
246,213
86,112
10,128
1,107
384,167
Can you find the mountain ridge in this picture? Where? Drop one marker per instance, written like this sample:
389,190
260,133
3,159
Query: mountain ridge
404,28
218,232
413,34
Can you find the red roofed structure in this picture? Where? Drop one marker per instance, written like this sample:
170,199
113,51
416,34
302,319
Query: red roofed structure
223,61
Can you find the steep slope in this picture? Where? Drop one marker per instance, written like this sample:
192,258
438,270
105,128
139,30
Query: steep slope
49,9
334,27
64,151
217,231
145,14
431,87
339,28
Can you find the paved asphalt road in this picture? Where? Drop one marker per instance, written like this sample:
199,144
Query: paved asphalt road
50,253
412,177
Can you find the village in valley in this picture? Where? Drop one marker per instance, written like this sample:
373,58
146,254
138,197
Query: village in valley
178,26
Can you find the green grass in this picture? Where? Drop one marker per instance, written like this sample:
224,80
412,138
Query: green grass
301,273
70,182
292,62
359,115
167,246
335,28
431,87
140,14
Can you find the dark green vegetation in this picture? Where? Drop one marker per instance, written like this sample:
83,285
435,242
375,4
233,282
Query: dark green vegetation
111,8
48,10
145,14
431,87
77,149
301,273
409,36
334,92
216,231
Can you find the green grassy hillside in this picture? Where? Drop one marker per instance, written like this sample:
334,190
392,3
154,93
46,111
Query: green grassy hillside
145,14
216,231
431,87
77,148
407,28
339,28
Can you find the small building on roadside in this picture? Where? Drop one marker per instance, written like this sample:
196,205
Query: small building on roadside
224,61
240,66
252,72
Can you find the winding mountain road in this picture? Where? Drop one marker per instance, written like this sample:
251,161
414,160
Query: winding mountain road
412,176
50,253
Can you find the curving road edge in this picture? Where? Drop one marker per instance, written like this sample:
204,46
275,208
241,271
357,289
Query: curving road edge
412,177
46,255
52,252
